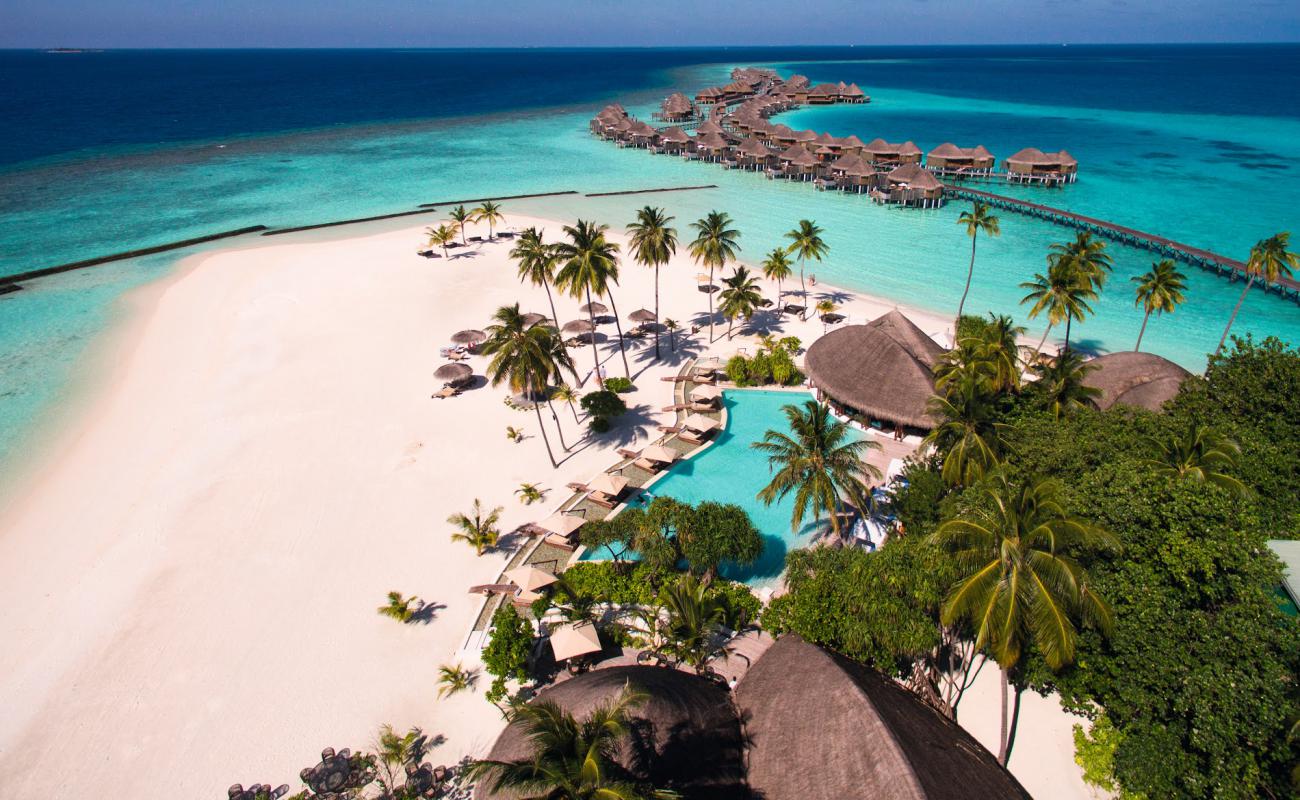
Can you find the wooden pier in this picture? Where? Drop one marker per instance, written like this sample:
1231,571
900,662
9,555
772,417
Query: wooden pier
1235,270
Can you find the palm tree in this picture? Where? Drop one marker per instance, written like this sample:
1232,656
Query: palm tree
571,759
1269,259
776,267
805,243
395,751
693,617
455,679
740,298
1160,290
400,608
825,308
530,493
477,529
1063,293
1201,454
567,394
968,435
461,216
1018,584
820,463
714,245
1087,255
490,213
1001,346
526,359
441,236
536,263
653,244
977,220
590,265
671,326
1061,383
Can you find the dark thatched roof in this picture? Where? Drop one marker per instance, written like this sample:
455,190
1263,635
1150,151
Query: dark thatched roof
821,727
883,368
915,176
1135,379
686,736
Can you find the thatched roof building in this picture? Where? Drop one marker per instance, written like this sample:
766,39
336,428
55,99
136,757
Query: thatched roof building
686,736
948,157
1032,163
914,185
1144,380
821,727
878,151
677,107
884,369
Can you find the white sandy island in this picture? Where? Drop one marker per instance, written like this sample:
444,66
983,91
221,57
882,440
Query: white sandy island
189,588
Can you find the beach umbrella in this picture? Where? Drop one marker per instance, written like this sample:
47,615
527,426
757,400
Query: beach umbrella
657,452
578,326
469,337
700,423
575,639
642,315
453,372
706,392
607,484
563,524
593,308
530,578
533,318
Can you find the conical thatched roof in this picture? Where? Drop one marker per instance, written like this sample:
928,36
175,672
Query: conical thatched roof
854,91
1029,155
852,141
915,176
805,136
826,140
674,135
883,368
753,147
708,126
821,727
853,164
1144,380
909,148
979,151
947,150
677,104
711,141
641,128
686,736
798,156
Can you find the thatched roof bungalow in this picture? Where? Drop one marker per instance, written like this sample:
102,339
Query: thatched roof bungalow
677,107
878,151
673,139
822,727
798,163
1032,165
948,159
824,94
1144,380
883,370
913,185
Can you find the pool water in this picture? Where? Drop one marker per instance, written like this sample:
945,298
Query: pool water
733,472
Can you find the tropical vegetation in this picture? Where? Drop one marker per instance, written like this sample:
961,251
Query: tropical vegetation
478,528
715,245
653,243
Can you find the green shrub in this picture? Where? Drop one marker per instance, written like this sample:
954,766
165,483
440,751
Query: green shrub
738,370
598,425
631,585
619,385
971,326
603,403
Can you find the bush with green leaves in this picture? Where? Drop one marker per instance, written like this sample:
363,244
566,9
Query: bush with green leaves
507,651
602,406
773,363
633,584
620,385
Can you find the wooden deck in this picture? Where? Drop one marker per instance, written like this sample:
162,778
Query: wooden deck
1235,270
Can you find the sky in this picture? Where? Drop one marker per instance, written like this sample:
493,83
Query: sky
541,23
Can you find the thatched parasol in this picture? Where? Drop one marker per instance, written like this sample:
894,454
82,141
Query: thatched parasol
469,337
642,315
533,318
453,372
578,326
593,308
575,639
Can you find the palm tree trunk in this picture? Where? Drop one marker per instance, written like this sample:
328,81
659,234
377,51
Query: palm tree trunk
730,322
1002,739
1068,319
574,409
804,287
1043,340
656,312
1233,318
1145,317
595,357
558,429
554,316
622,348
710,293
538,409
1015,722
970,273
444,252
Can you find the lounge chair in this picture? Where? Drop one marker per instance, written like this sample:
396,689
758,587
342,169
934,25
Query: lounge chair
625,453
689,438
445,392
647,465
562,542
476,238
494,588
676,407
703,408
604,501
670,428
577,487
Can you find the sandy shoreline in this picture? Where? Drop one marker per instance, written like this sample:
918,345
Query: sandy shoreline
190,576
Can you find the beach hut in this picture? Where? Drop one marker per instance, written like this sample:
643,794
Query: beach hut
1144,380
851,172
882,372
1032,165
949,159
913,185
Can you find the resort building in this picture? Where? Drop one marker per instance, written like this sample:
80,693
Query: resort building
882,153
850,173
1144,380
911,185
1032,165
677,107
881,372
802,724
949,159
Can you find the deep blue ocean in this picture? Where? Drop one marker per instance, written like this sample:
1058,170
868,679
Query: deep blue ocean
109,151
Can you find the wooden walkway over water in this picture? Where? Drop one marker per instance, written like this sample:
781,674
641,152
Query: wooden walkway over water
1235,270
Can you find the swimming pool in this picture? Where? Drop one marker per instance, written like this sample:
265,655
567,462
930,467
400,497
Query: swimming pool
733,472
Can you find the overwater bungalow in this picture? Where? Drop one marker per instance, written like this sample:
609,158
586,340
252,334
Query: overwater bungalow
949,159
802,723
673,140
1032,165
852,144
709,95
796,164
850,173
641,134
881,372
1143,380
712,145
911,185
677,107
882,153
753,154
823,94
709,126
853,94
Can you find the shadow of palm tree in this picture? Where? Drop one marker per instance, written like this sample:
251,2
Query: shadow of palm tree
428,613
834,296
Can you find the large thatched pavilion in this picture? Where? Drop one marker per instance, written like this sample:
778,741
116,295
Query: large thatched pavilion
883,370
1144,380
802,724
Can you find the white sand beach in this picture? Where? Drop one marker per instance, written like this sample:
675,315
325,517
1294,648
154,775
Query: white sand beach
190,586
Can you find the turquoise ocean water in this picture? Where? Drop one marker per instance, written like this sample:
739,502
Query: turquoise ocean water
1184,145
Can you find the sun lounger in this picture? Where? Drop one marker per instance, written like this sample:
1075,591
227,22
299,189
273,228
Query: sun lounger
676,407
647,465
625,453
689,438
494,588
476,238
604,501
577,487
669,428
445,392
699,407
556,540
